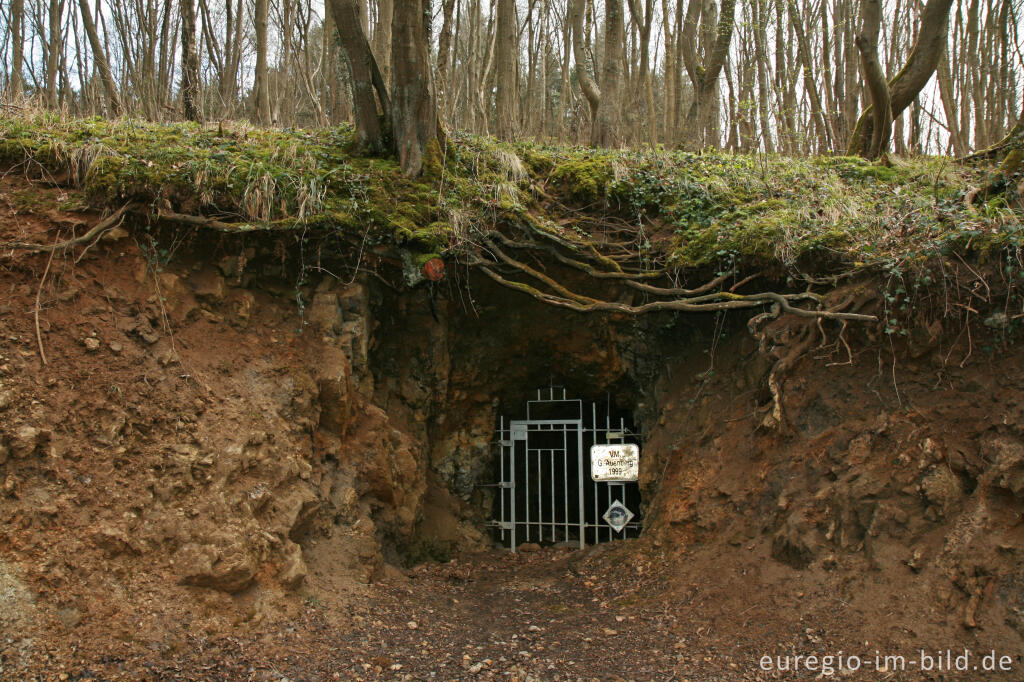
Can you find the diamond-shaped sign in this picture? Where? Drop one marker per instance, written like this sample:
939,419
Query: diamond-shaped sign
617,516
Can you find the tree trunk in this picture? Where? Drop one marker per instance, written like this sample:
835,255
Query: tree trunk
606,131
587,83
16,85
365,76
189,63
761,50
643,22
506,63
414,121
905,86
810,87
382,37
878,87
444,52
949,107
54,47
262,86
100,58
704,76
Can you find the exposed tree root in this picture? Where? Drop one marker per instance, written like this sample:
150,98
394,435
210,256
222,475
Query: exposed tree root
722,300
39,296
108,223
774,418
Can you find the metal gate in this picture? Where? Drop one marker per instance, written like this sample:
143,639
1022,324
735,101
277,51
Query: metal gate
546,494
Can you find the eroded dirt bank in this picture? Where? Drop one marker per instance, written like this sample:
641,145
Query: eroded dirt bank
226,471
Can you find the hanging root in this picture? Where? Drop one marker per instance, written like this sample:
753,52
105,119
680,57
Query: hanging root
39,296
773,420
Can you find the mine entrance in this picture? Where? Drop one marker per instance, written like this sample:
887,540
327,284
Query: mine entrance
545,492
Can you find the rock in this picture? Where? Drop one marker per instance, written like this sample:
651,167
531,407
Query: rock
293,513
69,617
116,348
138,325
229,567
208,285
168,356
293,568
177,300
941,488
108,424
4,453
528,547
113,541
1007,453
242,303
797,543
412,625
324,313
92,344
25,441
6,399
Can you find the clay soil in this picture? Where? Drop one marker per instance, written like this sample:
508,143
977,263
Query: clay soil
728,575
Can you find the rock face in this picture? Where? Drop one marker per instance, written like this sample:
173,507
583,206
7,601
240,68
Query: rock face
227,565
226,441
850,485
1007,454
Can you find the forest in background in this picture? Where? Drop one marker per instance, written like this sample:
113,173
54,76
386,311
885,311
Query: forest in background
783,76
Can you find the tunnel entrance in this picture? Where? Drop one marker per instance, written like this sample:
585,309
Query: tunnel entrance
546,492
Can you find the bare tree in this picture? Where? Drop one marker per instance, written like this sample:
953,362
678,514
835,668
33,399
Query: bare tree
16,19
365,76
704,74
507,71
190,82
414,120
261,88
906,85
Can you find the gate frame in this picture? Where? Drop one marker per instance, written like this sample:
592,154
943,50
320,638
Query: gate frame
519,430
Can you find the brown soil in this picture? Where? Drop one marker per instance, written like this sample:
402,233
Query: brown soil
203,484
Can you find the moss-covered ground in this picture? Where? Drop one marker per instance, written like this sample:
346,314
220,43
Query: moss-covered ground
675,210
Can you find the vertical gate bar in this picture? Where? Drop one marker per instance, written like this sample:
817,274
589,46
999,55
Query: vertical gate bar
501,477
565,480
579,484
554,519
597,510
526,499
622,486
608,488
540,499
512,490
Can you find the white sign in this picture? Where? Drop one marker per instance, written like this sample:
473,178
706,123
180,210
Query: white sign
615,463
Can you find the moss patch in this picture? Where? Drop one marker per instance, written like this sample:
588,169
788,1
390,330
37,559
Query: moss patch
674,210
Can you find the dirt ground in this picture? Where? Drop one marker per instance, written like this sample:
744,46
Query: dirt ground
602,614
